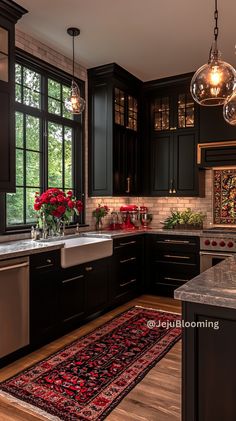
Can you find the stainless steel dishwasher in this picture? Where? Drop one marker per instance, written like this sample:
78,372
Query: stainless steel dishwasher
14,305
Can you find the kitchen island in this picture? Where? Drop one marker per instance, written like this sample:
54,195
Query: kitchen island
209,342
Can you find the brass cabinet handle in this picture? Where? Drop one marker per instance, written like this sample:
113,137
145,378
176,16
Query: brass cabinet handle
173,128
128,179
176,257
128,283
174,241
88,268
72,279
175,279
49,260
128,260
129,242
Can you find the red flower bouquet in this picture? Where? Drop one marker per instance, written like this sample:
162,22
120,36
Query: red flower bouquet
55,206
99,213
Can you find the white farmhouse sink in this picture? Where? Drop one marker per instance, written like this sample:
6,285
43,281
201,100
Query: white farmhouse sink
84,249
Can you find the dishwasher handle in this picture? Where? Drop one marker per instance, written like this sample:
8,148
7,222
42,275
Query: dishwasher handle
19,265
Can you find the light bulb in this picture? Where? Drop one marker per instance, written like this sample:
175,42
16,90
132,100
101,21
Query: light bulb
215,76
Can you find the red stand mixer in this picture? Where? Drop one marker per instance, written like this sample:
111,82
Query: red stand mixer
129,214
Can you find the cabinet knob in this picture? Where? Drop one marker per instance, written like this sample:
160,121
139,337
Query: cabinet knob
88,268
49,261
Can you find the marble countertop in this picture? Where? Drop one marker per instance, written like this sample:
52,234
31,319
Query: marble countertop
152,230
216,286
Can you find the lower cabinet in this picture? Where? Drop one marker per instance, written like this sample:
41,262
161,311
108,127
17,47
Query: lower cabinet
174,260
127,268
44,296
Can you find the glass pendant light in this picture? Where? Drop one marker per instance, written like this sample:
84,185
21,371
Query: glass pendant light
75,103
214,81
229,110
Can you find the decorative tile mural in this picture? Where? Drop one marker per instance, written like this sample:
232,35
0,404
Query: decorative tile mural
224,200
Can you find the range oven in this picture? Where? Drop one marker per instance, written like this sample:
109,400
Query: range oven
215,249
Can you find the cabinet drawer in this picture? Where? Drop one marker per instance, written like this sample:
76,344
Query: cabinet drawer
174,243
127,244
176,257
45,262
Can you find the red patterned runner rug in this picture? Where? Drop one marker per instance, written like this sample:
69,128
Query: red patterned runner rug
88,378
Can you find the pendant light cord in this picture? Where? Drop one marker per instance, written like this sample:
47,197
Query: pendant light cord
216,15
73,68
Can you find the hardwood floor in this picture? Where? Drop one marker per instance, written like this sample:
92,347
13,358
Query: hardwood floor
155,398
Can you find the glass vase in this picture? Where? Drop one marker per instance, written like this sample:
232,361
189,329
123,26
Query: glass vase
98,225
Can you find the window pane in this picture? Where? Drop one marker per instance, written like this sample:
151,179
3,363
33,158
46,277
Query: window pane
31,98
32,133
30,212
18,93
32,166
68,157
18,78
66,113
54,89
15,208
54,106
19,167
19,130
55,147
31,79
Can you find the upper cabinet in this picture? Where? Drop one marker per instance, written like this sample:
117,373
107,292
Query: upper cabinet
114,131
172,127
10,12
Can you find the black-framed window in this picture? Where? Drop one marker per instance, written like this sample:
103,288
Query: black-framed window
49,140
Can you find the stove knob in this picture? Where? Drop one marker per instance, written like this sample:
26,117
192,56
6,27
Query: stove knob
222,243
207,242
214,243
230,244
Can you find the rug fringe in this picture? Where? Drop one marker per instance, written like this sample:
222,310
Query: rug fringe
156,309
26,405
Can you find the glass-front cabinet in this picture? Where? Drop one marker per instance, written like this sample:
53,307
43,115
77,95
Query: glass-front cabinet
126,110
173,111
173,138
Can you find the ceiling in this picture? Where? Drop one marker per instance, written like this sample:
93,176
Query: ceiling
150,38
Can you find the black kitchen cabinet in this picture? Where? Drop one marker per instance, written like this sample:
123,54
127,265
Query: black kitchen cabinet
213,127
72,296
173,261
114,131
44,297
127,268
97,285
10,13
173,130
208,363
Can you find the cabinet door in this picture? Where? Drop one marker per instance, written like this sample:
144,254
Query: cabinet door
7,132
161,165
185,168
72,296
119,161
44,296
97,285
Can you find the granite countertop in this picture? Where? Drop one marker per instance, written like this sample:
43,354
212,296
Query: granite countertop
152,230
14,249
216,286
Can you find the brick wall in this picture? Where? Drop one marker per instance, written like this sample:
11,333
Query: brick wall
159,207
